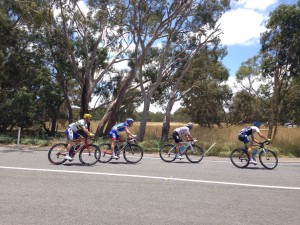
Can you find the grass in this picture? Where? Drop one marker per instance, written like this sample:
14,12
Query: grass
286,144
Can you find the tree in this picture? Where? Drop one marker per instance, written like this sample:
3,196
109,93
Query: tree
280,56
183,27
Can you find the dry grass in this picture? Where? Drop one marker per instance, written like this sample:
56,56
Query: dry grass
287,141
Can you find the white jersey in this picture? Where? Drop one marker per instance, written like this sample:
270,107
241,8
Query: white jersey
78,125
182,131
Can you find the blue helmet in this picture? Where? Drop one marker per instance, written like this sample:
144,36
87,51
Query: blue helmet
129,120
257,123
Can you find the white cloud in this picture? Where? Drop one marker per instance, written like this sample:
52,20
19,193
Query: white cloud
256,4
245,22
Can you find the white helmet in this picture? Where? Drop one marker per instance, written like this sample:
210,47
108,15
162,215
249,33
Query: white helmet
189,125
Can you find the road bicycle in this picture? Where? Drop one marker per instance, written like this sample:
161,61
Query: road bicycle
89,154
240,157
132,152
193,153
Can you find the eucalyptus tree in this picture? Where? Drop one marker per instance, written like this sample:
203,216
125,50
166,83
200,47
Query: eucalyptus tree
180,26
92,37
24,75
280,56
207,102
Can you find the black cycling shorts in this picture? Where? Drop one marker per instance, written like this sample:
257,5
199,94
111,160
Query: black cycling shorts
176,137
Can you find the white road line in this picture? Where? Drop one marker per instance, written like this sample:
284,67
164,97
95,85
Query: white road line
153,177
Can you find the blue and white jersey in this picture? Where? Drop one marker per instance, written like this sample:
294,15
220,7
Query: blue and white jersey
120,127
249,130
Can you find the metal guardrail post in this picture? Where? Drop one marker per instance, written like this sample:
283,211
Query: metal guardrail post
19,135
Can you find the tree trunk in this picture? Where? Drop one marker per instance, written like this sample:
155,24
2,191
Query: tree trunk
144,119
114,107
166,124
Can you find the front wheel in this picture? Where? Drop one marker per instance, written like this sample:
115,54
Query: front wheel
240,158
57,153
268,159
89,155
105,153
133,153
167,153
195,154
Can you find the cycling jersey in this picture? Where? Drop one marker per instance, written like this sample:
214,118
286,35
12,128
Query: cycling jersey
182,131
74,130
114,132
78,125
244,133
249,130
120,127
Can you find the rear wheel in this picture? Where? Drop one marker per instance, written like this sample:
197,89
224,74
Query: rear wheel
268,159
57,153
239,158
105,153
167,153
89,155
133,153
194,155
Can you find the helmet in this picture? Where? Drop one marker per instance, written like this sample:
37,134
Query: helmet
256,123
129,120
189,125
87,116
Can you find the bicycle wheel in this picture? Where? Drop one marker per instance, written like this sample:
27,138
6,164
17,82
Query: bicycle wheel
167,153
268,159
89,155
194,155
105,153
57,153
133,153
239,157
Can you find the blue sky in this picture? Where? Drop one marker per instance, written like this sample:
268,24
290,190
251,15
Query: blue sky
242,26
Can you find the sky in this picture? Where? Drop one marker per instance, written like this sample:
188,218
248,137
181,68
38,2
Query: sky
242,26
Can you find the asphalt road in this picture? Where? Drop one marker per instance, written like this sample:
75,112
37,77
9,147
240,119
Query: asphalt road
33,191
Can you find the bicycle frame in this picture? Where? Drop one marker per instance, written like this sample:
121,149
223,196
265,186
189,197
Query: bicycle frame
82,144
186,144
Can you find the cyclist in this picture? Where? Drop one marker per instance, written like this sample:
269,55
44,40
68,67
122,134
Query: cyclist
114,134
251,130
75,131
182,131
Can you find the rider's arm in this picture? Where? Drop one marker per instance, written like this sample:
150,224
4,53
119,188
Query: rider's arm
85,130
253,139
129,134
190,137
262,136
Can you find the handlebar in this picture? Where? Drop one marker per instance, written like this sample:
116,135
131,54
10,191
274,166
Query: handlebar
261,144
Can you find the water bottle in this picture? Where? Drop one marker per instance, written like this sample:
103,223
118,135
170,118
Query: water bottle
254,152
181,149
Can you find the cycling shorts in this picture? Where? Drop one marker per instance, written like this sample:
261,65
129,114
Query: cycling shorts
176,137
71,135
113,134
244,138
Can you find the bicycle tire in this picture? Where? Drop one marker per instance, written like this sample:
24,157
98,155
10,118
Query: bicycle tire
57,153
194,156
133,153
239,158
269,159
105,153
89,155
167,153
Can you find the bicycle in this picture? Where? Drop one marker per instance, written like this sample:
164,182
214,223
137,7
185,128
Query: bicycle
132,152
194,153
89,154
240,157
